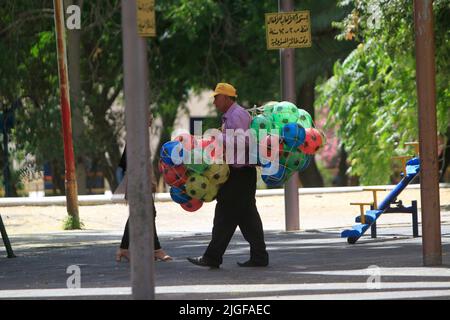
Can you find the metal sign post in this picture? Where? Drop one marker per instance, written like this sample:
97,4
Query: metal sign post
287,30
138,154
426,93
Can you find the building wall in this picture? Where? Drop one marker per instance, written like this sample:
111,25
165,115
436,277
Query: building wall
198,106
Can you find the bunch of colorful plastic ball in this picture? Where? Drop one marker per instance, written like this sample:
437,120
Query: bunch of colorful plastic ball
188,167
298,140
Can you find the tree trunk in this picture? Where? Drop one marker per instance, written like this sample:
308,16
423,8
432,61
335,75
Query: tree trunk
445,157
58,180
109,171
108,164
311,177
341,178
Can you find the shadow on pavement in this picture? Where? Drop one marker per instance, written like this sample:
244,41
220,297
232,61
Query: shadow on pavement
301,263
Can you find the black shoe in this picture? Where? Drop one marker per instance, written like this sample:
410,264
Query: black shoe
202,262
251,263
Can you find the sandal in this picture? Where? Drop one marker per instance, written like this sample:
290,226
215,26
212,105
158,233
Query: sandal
122,253
160,255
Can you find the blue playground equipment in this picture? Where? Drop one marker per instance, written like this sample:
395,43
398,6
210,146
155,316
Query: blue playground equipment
370,217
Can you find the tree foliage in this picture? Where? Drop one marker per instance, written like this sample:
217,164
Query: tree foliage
372,94
29,75
215,41
198,43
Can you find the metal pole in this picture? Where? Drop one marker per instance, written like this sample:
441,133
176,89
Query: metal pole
426,93
74,65
287,61
70,177
138,155
9,250
6,171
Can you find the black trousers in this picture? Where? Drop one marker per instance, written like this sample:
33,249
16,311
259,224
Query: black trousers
126,234
236,206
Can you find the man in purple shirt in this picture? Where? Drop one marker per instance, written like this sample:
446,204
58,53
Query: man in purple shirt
236,203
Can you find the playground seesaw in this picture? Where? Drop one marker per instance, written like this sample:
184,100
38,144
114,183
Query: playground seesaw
367,220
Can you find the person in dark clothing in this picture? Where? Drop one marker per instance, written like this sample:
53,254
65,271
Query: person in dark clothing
122,252
236,203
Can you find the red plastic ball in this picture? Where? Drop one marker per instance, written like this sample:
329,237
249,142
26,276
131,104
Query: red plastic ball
192,205
162,166
212,148
175,176
188,141
205,142
268,146
313,141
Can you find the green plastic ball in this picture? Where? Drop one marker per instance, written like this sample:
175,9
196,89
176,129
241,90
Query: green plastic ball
285,107
304,119
268,107
197,186
197,163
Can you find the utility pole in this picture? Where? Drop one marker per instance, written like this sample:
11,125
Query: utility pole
70,177
138,154
287,61
74,66
426,94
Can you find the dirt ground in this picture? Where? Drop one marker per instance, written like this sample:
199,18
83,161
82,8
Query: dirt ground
317,211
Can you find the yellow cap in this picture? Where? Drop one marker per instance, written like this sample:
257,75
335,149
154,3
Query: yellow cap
225,89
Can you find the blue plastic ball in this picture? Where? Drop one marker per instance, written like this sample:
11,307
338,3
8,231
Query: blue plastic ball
272,182
293,135
304,165
172,153
179,195
276,179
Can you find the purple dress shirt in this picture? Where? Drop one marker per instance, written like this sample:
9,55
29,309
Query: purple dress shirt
235,118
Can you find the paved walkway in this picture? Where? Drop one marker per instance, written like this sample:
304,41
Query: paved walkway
304,265
318,211
314,263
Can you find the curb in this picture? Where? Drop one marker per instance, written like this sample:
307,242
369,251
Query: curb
92,200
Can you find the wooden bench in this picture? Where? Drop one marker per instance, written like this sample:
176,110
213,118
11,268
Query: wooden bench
361,209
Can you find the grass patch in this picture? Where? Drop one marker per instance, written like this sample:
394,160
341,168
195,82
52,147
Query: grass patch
72,223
